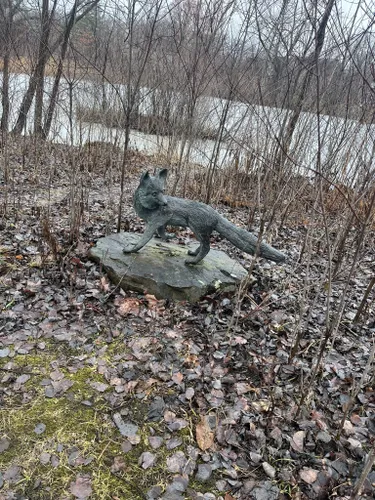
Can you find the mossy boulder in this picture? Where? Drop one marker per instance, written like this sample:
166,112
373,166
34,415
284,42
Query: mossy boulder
159,268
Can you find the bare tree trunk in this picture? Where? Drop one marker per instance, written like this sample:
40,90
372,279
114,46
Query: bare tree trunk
36,82
285,141
72,20
41,66
8,18
56,83
5,92
216,151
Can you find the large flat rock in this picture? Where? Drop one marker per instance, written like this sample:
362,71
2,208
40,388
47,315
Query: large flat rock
159,268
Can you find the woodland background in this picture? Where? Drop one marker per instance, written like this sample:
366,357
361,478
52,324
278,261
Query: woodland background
264,110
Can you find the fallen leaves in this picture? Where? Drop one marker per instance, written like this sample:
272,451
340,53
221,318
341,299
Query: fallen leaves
147,460
174,423
204,434
319,419
297,441
309,476
149,306
155,441
189,394
40,428
177,462
242,388
99,386
261,405
177,378
4,444
104,284
81,488
269,470
155,306
155,369
128,306
127,429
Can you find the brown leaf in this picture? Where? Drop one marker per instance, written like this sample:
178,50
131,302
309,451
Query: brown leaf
177,378
242,388
149,383
176,463
355,419
191,360
128,306
318,418
261,405
189,394
4,444
119,464
99,386
239,340
297,441
104,284
171,334
130,386
204,435
81,488
154,304
308,475
147,460
169,416
269,470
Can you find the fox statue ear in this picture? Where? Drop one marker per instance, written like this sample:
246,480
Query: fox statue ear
145,177
163,175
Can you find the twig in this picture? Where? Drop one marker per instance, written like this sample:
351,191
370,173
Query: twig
366,470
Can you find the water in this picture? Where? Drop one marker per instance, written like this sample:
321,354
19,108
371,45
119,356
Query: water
249,129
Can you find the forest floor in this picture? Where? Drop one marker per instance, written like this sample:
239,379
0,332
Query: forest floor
107,394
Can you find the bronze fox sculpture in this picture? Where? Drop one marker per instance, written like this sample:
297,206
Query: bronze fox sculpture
159,210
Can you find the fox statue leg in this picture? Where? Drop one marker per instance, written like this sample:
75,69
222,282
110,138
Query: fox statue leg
201,252
146,237
194,252
163,235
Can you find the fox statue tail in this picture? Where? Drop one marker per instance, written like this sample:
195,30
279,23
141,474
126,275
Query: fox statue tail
246,241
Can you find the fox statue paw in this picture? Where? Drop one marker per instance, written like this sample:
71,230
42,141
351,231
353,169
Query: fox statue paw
128,250
191,262
170,236
166,237
193,252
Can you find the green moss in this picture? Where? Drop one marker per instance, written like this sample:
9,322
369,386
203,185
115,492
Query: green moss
205,487
116,346
36,361
72,426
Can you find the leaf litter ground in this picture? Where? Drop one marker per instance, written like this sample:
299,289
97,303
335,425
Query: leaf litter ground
114,395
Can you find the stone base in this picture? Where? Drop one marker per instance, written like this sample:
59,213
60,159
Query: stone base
159,268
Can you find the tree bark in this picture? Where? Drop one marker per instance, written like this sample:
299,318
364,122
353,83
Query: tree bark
7,40
36,82
55,89
286,140
41,66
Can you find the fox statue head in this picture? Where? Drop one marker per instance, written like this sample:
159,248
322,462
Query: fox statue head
150,191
